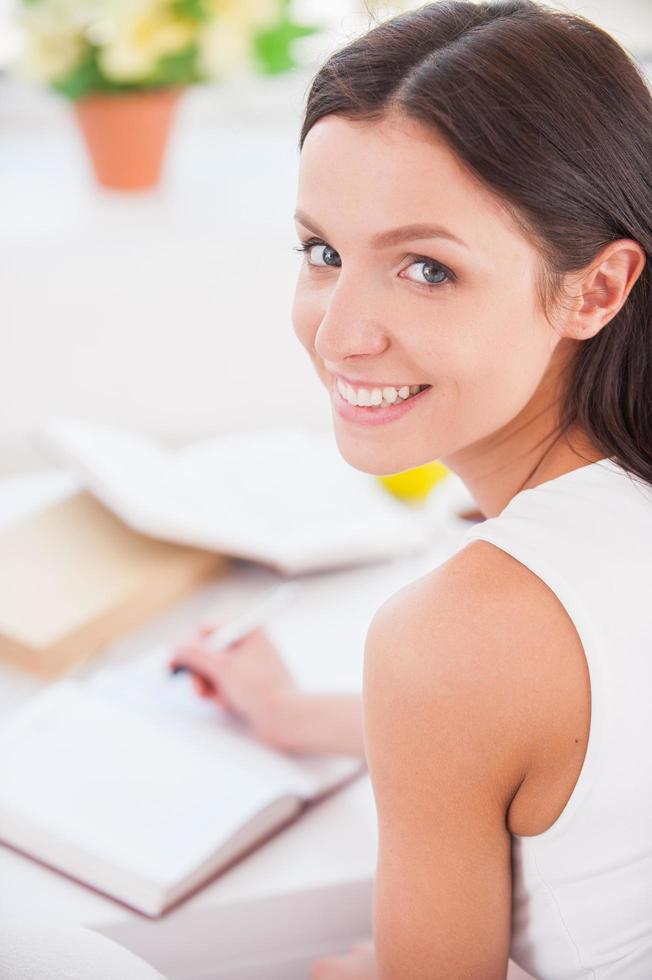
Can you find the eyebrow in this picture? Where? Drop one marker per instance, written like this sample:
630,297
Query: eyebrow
394,236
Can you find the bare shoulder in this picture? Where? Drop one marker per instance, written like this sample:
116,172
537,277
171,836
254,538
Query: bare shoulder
488,631
462,688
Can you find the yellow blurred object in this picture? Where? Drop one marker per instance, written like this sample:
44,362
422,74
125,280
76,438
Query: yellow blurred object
415,484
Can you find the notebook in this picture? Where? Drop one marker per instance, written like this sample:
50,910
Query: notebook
74,577
145,799
283,497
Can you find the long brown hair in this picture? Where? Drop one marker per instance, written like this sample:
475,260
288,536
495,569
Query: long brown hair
551,114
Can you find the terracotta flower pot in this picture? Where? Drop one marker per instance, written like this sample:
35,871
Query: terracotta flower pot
126,134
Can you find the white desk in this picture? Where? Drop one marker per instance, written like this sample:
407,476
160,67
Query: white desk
307,891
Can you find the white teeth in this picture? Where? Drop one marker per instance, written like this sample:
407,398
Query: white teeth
364,396
376,397
390,395
347,392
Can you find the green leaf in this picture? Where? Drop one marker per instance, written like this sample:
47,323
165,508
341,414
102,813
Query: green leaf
191,9
179,68
173,69
81,80
273,45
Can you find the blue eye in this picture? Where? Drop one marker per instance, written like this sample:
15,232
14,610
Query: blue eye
306,248
440,270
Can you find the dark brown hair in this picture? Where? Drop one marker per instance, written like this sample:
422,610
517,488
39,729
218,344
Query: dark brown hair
554,117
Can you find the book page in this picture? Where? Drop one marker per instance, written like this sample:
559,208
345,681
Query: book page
81,769
146,684
283,496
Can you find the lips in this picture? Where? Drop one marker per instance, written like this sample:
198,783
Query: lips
378,414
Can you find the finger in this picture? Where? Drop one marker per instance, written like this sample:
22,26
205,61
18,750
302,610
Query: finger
203,689
195,637
180,652
258,632
208,691
182,646
199,662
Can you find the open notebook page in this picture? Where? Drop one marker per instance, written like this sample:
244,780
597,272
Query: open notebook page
282,496
92,788
146,685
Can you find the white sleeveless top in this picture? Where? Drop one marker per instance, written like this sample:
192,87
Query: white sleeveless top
582,890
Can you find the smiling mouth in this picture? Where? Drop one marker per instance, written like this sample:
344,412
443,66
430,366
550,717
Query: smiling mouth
377,397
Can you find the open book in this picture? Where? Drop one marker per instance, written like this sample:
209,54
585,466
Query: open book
283,497
129,783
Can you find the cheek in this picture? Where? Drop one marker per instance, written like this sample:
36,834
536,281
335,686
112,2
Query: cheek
495,369
306,316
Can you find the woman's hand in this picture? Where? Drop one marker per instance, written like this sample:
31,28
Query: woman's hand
248,679
358,964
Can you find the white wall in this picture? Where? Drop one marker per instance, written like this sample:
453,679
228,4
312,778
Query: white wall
630,21
168,310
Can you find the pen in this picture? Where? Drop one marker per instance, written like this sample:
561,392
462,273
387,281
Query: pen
229,633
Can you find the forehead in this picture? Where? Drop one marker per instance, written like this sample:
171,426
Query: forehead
376,175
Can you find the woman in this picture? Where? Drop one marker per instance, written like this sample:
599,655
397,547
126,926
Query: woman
475,212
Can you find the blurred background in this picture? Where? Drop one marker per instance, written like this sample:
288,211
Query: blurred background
167,307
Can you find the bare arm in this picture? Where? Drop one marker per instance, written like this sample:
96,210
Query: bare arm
304,722
444,669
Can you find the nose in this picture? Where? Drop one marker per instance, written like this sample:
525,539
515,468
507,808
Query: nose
349,330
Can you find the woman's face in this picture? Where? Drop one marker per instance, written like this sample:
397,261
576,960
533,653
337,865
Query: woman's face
379,317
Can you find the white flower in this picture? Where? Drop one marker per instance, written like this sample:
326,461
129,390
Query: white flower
225,42
248,15
141,34
52,45
225,49
49,58
55,34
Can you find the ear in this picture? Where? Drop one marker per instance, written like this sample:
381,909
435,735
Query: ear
601,289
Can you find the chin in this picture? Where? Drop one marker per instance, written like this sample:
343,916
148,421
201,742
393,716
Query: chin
379,459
